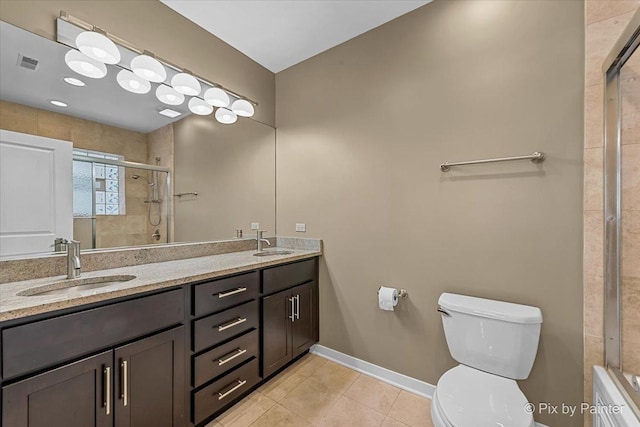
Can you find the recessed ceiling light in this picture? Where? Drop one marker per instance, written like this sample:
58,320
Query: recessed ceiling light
58,103
170,113
74,82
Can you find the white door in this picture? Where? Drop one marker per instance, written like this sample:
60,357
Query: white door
36,192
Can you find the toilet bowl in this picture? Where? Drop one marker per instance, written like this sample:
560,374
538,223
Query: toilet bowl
467,397
495,343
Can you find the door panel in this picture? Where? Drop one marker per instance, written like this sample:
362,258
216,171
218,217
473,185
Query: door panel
36,193
149,381
276,332
70,396
303,328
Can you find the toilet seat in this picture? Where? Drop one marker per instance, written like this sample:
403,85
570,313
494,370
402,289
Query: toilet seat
467,397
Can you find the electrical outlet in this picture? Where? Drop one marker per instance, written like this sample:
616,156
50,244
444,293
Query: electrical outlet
255,226
301,227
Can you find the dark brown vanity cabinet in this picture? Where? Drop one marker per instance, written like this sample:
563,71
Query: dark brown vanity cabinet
289,317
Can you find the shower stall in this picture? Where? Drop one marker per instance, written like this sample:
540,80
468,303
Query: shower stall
622,213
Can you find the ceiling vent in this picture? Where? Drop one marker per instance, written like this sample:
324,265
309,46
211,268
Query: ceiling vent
26,62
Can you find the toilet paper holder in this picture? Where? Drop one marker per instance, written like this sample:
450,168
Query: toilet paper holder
402,293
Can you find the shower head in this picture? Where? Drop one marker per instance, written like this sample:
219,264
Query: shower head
138,176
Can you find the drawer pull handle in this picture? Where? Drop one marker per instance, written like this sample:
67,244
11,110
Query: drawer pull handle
231,324
106,378
124,394
235,353
292,300
233,292
239,384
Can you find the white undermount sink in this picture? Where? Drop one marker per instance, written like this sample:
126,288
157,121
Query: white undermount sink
75,285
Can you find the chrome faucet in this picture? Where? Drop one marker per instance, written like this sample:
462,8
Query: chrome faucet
73,259
260,240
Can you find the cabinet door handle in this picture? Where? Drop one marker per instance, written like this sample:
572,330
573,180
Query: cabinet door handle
239,384
124,393
106,381
235,353
233,292
292,300
231,324
298,307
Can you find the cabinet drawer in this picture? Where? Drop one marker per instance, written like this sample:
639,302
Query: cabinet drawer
214,329
37,345
215,396
279,278
217,295
219,360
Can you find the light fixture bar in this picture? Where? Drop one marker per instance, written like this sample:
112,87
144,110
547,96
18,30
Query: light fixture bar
119,41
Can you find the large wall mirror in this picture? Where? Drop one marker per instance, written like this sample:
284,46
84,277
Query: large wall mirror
138,176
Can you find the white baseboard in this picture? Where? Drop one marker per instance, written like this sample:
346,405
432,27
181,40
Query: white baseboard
404,382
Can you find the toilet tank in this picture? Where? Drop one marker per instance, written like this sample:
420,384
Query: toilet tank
493,336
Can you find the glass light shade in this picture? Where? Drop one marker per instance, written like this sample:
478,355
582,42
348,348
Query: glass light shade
186,84
242,107
148,68
217,97
226,116
169,96
132,83
98,46
82,64
199,107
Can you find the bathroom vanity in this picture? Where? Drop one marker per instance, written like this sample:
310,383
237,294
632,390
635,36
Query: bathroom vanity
174,347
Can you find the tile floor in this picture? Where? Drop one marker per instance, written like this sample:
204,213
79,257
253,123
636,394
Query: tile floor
317,392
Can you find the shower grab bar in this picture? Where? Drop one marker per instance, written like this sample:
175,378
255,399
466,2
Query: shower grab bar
535,157
191,193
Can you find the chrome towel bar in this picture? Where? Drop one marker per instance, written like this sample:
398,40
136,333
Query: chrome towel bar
535,157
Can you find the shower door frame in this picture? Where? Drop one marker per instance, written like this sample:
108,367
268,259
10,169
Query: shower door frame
626,45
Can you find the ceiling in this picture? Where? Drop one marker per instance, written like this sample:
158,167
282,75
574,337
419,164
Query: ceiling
280,33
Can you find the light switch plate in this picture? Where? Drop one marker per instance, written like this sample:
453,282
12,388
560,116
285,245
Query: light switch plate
255,226
301,227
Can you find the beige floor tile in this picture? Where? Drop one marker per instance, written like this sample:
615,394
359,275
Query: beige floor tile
279,416
213,424
335,377
248,410
277,388
415,411
598,10
348,412
373,393
308,364
310,400
390,422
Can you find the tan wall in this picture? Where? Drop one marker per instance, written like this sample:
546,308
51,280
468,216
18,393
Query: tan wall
604,22
232,167
151,25
111,230
362,129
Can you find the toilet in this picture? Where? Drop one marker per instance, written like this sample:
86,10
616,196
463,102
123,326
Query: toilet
495,343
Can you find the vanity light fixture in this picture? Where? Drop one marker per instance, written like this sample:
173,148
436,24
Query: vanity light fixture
58,103
149,68
217,97
226,116
74,82
132,83
82,64
169,95
199,107
98,46
242,107
186,84
168,112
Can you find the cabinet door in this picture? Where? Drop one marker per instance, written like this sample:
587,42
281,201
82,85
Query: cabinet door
276,331
75,395
149,381
303,328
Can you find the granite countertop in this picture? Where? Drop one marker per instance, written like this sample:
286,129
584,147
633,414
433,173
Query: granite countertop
149,277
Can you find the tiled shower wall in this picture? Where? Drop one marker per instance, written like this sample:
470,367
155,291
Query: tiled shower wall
604,21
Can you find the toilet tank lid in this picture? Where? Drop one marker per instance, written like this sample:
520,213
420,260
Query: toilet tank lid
492,309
